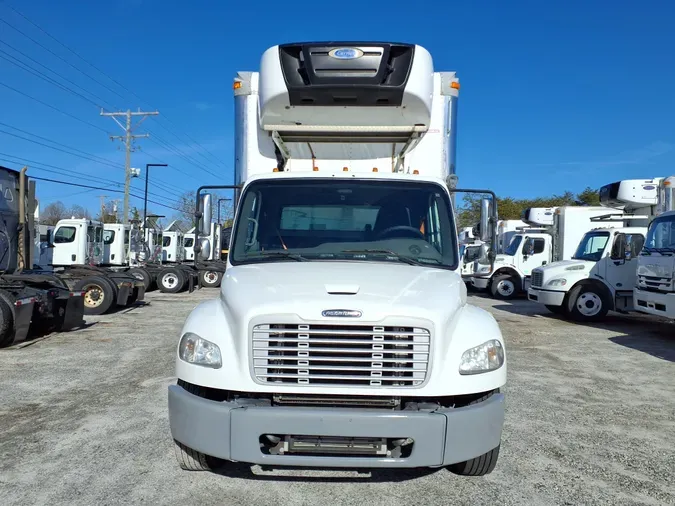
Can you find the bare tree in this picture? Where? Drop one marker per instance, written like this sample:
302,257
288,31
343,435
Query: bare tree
77,211
52,213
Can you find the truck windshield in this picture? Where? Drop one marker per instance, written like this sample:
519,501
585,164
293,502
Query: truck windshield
661,236
512,248
592,246
357,220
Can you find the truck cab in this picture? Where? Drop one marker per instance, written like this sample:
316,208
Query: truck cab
600,276
78,241
116,244
655,290
529,247
342,336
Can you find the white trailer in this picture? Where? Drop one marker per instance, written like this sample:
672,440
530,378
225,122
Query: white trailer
600,276
554,235
655,290
342,336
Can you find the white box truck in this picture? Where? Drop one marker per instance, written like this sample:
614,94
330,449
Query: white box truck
554,235
342,336
655,290
600,276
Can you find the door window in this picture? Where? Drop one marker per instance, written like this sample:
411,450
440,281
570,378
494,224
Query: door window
64,235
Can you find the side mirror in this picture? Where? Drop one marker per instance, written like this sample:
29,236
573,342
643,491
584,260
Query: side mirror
484,227
206,215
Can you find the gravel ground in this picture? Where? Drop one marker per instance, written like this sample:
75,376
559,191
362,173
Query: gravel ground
590,420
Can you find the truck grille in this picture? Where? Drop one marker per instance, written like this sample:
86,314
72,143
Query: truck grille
655,283
340,355
537,278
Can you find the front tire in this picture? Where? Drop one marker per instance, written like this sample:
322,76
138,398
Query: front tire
142,275
210,279
505,286
171,280
99,297
189,459
556,309
480,466
587,303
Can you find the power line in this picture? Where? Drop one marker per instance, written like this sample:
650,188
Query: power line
84,154
103,189
52,107
110,78
50,70
58,56
66,172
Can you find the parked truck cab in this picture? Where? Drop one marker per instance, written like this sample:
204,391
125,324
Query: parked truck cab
341,336
655,291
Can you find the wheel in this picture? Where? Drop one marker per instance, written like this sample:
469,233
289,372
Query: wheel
171,280
210,279
142,275
6,319
587,303
189,459
505,286
99,297
113,285
556,309
479,466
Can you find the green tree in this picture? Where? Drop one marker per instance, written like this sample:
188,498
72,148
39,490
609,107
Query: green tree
509,208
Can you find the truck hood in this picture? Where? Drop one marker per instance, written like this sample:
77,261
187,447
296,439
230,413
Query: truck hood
571,270
500,261
306,289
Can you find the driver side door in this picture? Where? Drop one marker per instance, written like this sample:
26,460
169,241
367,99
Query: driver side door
536,251
621,266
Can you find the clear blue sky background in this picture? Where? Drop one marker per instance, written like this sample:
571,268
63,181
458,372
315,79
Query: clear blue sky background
555,95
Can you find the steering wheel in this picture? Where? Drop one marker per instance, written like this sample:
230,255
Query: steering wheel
400,228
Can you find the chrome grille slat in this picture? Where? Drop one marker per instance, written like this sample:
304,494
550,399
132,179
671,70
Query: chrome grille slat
340,355
537,278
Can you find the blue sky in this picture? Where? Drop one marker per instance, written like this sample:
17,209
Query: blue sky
555,95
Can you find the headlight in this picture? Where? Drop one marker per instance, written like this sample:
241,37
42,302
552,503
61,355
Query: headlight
486,357
557,282
484,269
196,350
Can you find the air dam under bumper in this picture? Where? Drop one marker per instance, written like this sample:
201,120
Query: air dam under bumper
479,282
547,297
232,431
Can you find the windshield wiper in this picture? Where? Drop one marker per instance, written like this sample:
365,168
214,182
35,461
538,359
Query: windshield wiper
407,260
278,254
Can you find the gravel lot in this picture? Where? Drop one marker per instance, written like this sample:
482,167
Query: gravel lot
590,420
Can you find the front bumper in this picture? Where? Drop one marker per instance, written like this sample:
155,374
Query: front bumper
232,431
658,304
547,297
480,283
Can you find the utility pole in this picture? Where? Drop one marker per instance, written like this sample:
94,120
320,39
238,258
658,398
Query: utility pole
128,138
102,197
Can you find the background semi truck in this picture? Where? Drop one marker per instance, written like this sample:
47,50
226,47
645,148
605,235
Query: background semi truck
600,276
342,336
30,299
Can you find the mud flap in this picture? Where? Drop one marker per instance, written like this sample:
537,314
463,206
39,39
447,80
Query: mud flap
191,283
23,314
123,292
74,312
141,291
